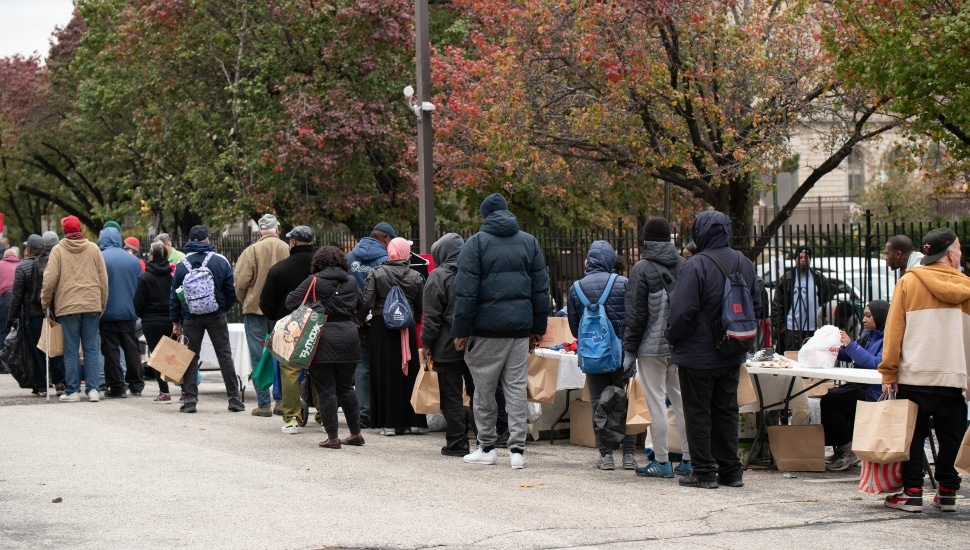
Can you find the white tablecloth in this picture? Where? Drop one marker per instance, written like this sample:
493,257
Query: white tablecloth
570,377
240,353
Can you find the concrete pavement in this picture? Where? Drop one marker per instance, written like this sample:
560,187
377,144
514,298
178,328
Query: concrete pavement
133,474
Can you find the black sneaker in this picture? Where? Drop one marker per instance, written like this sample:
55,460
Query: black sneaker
694,481
945,500
910,500
187,408
236,405
115,394
447,451
730,482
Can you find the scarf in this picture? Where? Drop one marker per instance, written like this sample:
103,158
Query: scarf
74,236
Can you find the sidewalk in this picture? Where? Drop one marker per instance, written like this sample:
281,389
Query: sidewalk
133,474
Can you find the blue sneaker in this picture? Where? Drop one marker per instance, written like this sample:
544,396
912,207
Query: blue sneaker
684,469
650,456
656,469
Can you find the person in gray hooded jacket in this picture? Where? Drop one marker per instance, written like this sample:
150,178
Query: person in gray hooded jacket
647,302
439,344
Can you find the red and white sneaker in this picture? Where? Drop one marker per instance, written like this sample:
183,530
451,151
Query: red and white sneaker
945,500
162,398
910,500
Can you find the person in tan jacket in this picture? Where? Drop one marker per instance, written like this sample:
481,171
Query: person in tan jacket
76,287
250,275
926,358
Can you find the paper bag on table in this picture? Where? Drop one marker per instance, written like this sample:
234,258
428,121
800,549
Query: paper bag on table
798,448
637,412
425,398
170,358
883,430
542,377
51,339
745,388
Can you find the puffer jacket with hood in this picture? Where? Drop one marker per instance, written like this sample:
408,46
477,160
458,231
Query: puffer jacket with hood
151,296
26,291
339,300
222,278
700,289
76,280
368,254
501,288
647,300
124,269
927,338
599,266
439,300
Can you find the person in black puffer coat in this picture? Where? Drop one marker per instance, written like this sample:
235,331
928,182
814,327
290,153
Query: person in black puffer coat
338,351
599,266
151,306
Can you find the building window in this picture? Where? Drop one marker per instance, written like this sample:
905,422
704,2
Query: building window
857,175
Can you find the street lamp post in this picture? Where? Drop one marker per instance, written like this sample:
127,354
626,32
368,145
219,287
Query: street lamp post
425,129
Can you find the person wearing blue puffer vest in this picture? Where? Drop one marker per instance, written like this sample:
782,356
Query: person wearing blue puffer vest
117,324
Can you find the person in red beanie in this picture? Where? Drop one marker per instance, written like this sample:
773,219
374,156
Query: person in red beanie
76,283
133,246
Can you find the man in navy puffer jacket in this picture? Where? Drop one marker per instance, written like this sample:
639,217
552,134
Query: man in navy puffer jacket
708,378
600,261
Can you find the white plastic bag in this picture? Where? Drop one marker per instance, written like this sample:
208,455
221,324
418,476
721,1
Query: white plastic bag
822,349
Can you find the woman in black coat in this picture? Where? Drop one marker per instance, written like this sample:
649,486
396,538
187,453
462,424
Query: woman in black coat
338,351
151,306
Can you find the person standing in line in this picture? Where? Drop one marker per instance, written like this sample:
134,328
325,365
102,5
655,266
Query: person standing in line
8,266
117,324
174,255
394,358
151,306
281,279
438,344
250,275
369,253
501,313
647,304
924,360
133,247
901,255
708,377
76,285
195,326
600,260
798,298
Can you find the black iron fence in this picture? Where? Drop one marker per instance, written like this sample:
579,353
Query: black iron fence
851,253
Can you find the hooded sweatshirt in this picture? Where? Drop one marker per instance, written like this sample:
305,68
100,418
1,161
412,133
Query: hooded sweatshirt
439,300
76,280
927,337
151,296
8,265
599,266
368,254
123,273
700,289
647,299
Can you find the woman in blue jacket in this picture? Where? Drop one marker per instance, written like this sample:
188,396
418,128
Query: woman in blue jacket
838,406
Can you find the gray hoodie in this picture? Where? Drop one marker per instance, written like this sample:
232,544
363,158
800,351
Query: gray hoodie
439,300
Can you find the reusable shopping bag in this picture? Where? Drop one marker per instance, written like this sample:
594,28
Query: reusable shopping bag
880,478
884,429
798,448
962,463
264,374
637,412
542,376
171,357
295,337
426,398
51,338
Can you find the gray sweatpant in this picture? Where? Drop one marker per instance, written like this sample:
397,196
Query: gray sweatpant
660,383
493,361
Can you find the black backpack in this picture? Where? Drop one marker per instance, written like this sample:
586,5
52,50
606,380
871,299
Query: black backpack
736,330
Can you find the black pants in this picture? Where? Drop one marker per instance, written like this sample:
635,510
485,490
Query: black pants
195,329
119,337
598,383
154,332
949,412
335,384
711,414
40,358
451,377
838,413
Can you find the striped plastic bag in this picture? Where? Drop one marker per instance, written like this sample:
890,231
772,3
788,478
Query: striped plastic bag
880,478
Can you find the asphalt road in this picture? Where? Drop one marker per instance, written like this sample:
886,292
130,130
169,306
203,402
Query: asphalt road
132,474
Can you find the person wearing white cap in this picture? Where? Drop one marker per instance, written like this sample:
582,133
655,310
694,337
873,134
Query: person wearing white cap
250,275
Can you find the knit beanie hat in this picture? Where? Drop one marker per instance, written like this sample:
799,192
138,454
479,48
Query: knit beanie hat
493,203
71,224
112,223
656,229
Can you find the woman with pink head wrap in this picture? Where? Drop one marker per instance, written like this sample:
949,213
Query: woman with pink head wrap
394,368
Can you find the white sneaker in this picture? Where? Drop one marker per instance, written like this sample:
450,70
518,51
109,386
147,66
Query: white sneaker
480,457
70,398
94,396
291,426
517,461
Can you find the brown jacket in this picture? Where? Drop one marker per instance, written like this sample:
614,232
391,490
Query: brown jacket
251,269
76,280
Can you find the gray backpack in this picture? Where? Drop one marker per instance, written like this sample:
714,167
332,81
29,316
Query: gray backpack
199,288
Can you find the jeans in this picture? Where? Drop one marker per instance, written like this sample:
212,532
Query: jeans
256,328
118,337
335,384
362,382
711,413
81,331
218,329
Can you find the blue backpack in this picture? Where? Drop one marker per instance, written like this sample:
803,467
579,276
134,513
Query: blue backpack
737,328
397,310
598,347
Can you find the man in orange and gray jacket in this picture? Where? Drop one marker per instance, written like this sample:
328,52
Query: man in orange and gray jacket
926,358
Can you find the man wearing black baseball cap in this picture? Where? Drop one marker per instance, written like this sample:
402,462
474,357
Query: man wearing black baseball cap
924,359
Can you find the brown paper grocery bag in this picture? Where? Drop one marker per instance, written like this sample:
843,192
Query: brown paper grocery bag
745,388
962,463
170,358
543,374
426,398
637,412
798,448
883,430
51,338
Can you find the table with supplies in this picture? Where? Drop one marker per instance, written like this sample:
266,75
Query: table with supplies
569,378
240,355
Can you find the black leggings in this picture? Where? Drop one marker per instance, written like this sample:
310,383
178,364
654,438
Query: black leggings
154,332
335,384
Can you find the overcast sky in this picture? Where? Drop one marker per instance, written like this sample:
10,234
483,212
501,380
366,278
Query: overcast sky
26,25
